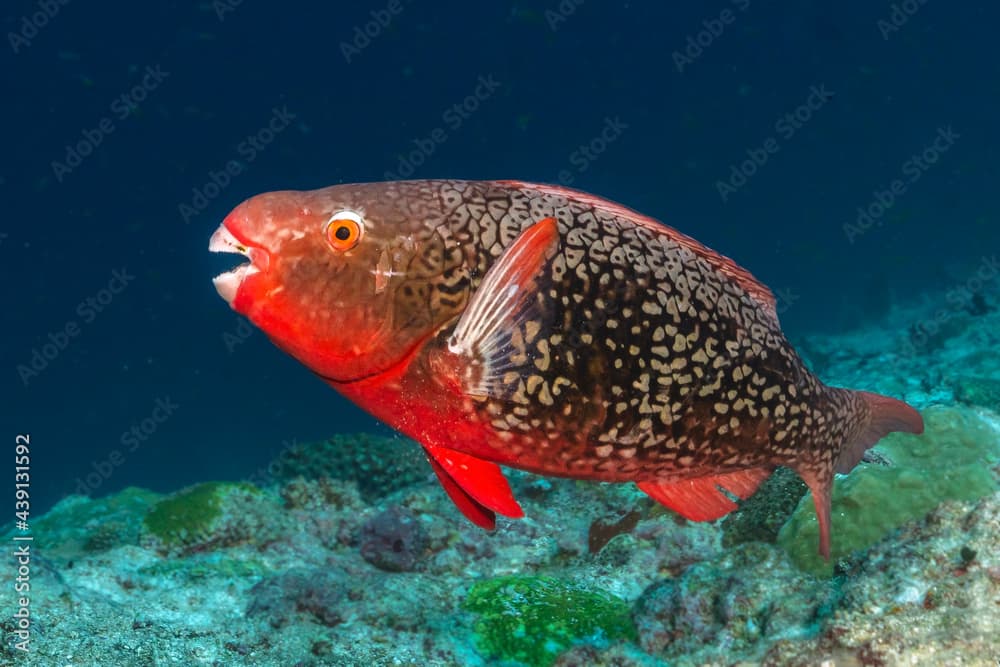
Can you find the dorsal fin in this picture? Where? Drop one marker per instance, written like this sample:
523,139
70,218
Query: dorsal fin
760,292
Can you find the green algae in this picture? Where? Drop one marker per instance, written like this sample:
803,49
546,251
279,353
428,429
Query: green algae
532,619
950,461
78,525
191,517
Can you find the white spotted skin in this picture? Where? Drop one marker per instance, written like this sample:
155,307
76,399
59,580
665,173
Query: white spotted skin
645,357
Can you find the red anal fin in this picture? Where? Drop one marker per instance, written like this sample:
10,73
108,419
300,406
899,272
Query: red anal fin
701,499
478,488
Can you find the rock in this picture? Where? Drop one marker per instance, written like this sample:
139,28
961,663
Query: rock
394,540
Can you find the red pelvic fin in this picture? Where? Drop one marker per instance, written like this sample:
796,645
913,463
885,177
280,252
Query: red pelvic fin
478,488
702,499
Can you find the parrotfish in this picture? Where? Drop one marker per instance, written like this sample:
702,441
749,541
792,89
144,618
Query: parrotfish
503,323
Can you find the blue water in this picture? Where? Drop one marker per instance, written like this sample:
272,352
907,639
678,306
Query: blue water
93,182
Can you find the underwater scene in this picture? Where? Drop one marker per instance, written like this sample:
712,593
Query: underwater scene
555,333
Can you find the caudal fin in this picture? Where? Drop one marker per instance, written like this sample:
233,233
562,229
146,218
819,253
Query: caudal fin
886,415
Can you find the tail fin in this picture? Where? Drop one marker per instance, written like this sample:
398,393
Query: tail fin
886,415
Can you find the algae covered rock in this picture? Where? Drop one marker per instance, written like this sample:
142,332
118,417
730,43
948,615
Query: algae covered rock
211,515
952,460
533,619
761,516
78,525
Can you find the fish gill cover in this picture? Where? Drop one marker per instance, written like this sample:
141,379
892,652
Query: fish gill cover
183,494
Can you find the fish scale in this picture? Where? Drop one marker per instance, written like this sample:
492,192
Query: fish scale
533,326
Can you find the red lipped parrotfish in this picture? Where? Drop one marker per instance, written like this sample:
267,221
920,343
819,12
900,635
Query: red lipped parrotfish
502,323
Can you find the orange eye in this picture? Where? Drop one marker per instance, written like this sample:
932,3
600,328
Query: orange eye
344,230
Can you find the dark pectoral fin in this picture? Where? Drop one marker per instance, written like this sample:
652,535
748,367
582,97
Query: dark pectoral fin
478,351
701,499
478,488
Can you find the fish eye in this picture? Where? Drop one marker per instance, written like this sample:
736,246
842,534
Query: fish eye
344,230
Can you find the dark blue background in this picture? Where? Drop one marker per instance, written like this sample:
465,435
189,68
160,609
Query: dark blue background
163,336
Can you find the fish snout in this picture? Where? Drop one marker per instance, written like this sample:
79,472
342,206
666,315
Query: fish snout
228,283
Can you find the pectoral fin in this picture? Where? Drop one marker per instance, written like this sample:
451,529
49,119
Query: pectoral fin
479,351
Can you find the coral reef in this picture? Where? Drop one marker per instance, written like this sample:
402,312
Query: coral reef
378,465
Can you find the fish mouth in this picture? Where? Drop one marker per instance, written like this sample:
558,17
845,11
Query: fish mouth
228,284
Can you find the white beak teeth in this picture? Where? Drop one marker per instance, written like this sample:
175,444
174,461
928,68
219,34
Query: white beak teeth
224,241
228,283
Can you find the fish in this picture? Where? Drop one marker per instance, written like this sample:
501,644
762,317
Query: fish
537,327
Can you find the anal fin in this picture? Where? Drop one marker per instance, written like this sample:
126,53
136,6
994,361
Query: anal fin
701,499
478,488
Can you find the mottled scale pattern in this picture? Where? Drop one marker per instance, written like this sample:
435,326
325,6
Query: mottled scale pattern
644,357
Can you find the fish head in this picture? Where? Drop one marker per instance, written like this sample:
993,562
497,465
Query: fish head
340,278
